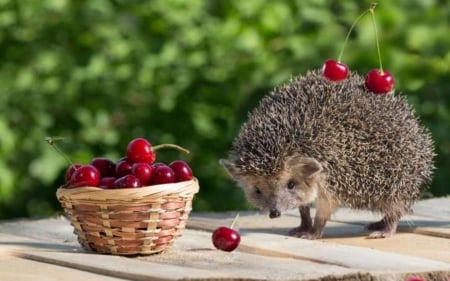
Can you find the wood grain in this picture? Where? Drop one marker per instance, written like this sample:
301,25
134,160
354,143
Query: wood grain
421,248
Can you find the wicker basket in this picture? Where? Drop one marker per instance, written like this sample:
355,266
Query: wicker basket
135,221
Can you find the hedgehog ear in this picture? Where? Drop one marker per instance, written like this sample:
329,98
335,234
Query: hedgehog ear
231,169
308,166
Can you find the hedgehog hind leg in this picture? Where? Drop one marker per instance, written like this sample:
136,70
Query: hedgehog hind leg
384,228
387,226
376,226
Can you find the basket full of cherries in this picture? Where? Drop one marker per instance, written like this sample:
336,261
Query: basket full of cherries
130,207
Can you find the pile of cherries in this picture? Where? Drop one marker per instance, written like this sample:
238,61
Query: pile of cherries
137,169
377,80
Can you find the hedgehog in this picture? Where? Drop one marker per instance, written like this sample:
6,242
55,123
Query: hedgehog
316,142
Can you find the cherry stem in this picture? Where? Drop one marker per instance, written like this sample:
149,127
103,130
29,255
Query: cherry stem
51,141
372,13
159,146
234,220
351,29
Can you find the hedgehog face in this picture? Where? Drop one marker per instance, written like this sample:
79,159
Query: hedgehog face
296,185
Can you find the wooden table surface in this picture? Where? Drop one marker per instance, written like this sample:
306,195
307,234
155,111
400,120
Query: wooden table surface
47,249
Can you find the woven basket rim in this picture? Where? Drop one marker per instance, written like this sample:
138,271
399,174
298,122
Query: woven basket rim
127,194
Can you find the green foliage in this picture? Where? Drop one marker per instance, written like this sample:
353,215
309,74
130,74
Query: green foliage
102,72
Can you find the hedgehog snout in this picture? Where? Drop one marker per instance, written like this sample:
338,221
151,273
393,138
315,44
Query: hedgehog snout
274,213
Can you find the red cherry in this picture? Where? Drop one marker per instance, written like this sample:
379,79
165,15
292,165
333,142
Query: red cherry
140,150
128,181
123,168
106,167
70,170
107,182
379,82
226,239
86,175
334,70
182,170
163,174
142,171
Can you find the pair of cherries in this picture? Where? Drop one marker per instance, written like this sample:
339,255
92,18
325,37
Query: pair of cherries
377,80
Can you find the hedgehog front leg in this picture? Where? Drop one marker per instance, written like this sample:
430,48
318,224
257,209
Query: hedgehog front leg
306,225
325,208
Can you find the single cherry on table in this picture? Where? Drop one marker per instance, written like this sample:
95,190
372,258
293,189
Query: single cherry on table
226,238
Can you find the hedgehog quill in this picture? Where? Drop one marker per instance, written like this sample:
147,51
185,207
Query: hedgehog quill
317,142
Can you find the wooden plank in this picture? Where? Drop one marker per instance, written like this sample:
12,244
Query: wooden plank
438,208
55,229
433,231
416,223
265,253
289,266
10,244
199,264
344,223
368,260
18,269
435,248
342,255
121,267
190,259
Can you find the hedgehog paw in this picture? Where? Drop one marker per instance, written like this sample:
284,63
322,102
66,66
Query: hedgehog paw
310,236
380,234
299,232
382,229
303,233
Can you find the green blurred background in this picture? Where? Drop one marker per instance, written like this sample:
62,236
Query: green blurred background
103,72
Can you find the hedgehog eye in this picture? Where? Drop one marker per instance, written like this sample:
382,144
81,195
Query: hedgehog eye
291,184
257,190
